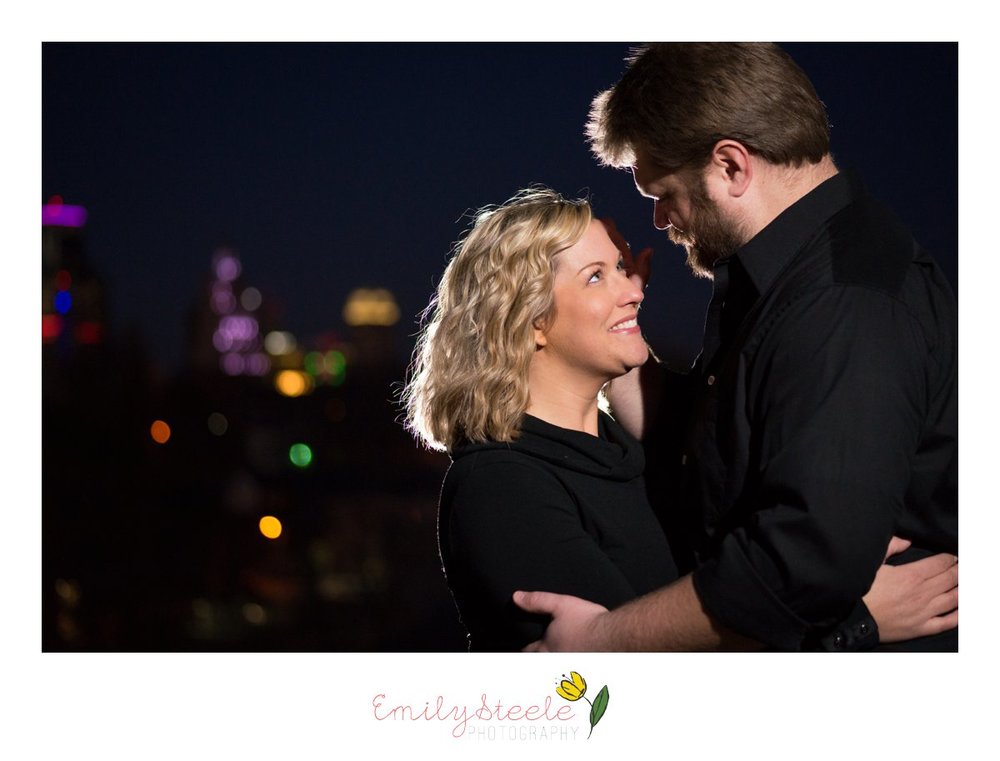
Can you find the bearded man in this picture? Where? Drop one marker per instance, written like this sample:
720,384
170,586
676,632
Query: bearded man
820,419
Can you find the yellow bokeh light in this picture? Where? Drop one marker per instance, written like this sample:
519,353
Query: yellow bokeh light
160,432
292,383
270,527
371,306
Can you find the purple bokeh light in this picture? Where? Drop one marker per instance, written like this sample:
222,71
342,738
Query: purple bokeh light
232,364
227,267
63,215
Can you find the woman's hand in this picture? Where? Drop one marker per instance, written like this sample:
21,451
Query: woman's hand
915,599
638,268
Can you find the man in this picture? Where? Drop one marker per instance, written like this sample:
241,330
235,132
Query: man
823,407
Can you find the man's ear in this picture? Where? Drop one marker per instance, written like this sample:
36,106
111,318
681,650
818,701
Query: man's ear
731,166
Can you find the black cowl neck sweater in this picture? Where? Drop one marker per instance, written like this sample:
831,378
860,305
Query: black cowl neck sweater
556,510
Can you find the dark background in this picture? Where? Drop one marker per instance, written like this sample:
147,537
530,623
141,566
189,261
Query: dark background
326,168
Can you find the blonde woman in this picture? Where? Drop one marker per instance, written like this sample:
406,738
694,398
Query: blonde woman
534,315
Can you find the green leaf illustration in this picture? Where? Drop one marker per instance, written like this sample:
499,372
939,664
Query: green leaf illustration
597,708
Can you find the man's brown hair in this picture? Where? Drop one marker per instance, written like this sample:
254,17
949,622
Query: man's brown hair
677,100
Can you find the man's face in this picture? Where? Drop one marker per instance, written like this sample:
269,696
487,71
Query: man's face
682,207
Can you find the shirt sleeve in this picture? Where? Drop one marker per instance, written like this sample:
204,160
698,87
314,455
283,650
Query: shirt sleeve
834,401
513,526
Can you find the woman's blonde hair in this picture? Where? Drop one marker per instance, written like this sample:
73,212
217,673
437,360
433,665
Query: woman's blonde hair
469,376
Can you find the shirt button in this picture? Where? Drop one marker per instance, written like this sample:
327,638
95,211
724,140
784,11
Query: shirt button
684,459
863,628
838,641
711,380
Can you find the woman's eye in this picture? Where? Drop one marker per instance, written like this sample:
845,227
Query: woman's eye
594,276
621,264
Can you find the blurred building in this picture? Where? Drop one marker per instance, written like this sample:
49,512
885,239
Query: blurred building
265,498
227,322
74,309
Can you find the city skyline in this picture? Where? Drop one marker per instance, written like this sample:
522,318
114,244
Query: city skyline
332,167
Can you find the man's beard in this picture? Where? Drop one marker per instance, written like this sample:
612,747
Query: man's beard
711,235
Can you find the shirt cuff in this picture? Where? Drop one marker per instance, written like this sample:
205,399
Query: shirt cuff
732,592
856,632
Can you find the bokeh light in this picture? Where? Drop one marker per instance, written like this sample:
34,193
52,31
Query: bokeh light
227,267
218,424
254,613
68,591
270,527
63,280
250,299
223,301
336,365
292,383
232,363
241,329
88,332
59,214
52,325
160,431
314,363
222,342
63,302
279,342
300,455
371,306
257,364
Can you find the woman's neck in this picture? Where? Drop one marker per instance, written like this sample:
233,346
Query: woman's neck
565,402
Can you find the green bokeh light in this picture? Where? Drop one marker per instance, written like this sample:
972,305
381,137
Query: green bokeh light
300,455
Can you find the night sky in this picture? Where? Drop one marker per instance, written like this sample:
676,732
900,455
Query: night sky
335,166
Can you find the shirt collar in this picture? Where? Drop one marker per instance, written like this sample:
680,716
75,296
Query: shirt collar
770,250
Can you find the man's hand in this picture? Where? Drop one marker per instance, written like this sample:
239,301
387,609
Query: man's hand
638,268
575,625
915,599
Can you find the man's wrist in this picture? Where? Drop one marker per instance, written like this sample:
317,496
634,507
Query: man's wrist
858,631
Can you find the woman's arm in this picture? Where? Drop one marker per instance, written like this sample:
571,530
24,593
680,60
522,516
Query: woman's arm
916,599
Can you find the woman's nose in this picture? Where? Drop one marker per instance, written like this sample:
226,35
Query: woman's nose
631,293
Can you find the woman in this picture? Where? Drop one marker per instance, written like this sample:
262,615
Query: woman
534,315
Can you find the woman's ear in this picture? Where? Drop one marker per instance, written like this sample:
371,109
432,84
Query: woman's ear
540,338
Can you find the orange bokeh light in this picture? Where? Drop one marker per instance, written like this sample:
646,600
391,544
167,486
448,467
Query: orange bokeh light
160,432
270,527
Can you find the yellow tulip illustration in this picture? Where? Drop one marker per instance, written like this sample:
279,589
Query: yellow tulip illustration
575,687
572,690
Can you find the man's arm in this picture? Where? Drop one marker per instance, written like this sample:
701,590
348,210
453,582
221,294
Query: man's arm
633,398
914,600
671,618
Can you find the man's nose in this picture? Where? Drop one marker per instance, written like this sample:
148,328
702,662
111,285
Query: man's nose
661,219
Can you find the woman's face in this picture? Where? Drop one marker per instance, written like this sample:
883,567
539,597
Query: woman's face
593,332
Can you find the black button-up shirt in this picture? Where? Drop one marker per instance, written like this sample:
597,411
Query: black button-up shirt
825,417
